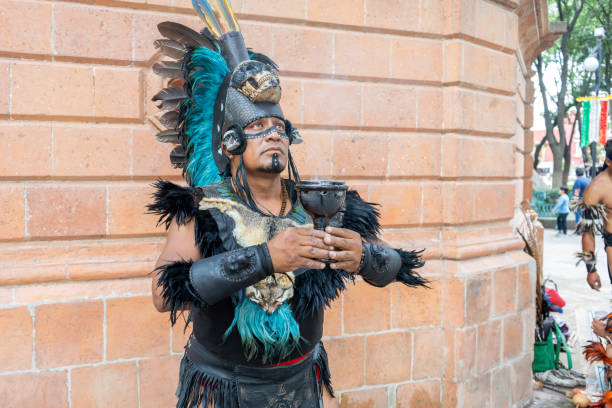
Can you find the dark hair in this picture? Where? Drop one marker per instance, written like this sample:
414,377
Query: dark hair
579,171
565,189
609,149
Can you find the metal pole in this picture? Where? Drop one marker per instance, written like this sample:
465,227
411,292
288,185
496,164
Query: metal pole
597,84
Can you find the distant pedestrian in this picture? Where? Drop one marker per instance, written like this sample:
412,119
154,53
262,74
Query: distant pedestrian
580,185
562,209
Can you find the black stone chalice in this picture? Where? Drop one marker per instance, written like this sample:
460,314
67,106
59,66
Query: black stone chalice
322,200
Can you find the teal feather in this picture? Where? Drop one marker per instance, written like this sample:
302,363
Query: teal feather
278,333
207,71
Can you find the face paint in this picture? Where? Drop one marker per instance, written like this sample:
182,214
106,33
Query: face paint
276,166
266,132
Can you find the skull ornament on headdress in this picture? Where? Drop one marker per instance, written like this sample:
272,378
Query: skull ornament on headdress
216,87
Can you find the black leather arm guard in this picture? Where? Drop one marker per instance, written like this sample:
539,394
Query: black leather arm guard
380,264
217,277
589,259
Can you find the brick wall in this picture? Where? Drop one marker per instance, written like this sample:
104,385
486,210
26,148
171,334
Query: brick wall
421,105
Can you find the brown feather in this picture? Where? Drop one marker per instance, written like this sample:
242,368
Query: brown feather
595,351
171,98
171,48
185,35
168,69
177,156
169,119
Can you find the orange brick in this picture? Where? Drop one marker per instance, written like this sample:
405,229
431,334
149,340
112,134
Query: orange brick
359,54
339,12
150,157
360,154
496,107
107,385
76,210
62,291
278,8
501,387
454,302
86,31
145,31
392,14
303,49
16,339
371,398
488,354
367,308
428,354
513,337
504,287
68,334
158,381
393,106
478,299
6,295
333,319
127,209
459,108
388,358
429,104
419,395
428,53
521,385
118,93
432,16
91,151
23,265
449,394
414,155
313,158
453,61
345,97
291,100
448,370
418,307
328,401
257,36
12,204
46,389
135,329
21,36
477,392
5,88
432,203
465,357
346,356
393,198
43,89
180,334
28,150
526,288
459,153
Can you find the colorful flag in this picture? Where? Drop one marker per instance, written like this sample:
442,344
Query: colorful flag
603,122
584,129
594,122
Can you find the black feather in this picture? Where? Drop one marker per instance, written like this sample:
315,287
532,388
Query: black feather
173,202
322,362
255,56
361,216
170,119
411,260
171,48
168,69
184,35
171,98
178,157
177,291
315,289
169,136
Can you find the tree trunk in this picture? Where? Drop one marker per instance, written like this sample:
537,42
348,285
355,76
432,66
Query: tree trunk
567,164
557,179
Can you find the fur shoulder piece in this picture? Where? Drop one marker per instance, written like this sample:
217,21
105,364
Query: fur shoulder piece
594,217
174,202
361,216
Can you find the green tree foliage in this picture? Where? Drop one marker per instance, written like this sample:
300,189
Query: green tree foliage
564,62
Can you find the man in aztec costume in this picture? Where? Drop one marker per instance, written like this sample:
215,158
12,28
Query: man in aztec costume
596,208
242,256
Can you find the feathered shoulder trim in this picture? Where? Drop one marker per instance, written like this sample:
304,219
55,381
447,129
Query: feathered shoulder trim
174,202
594,217
361,216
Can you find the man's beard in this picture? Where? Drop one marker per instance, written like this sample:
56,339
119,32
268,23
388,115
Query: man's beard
274,167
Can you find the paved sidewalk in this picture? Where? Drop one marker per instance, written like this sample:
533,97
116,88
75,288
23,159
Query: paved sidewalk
560,266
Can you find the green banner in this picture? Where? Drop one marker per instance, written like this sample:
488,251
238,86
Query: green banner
584,129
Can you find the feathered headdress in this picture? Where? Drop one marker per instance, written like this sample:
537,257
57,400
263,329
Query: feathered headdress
214,83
